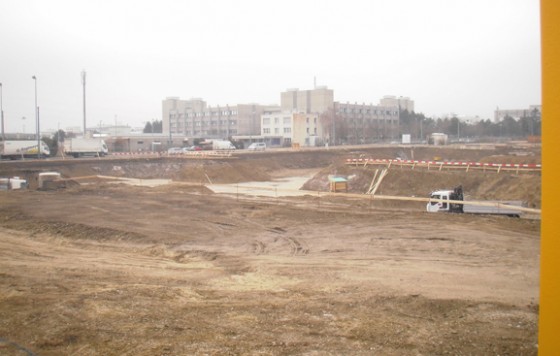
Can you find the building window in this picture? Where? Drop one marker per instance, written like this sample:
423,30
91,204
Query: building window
287,130
287,120
266,131
276,130
266,121
276,120
140,142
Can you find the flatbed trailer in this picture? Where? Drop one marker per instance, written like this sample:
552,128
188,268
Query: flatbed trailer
452,201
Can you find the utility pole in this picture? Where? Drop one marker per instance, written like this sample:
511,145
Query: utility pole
84,98
2,113
37,120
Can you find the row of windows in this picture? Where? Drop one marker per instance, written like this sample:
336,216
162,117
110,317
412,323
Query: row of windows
206,114
285,120
287,130
367,121
366,111
209,132
205,123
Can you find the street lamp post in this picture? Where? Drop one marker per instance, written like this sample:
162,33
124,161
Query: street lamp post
2,114
37,121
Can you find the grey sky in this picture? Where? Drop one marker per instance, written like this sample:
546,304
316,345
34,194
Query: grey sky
466,57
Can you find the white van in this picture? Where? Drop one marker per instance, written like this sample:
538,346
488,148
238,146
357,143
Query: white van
257,146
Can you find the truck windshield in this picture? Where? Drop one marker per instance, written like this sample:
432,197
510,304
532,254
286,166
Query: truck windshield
435,196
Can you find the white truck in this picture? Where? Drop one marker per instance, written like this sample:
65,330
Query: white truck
22,149
222,145
450,201
77,147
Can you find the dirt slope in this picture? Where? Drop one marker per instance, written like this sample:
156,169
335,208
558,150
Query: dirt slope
110,269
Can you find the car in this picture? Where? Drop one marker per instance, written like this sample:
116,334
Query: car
192,148
174,150
257,146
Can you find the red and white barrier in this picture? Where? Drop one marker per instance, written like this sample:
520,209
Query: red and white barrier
440,163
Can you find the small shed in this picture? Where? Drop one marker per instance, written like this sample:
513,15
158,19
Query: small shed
338,184
48,180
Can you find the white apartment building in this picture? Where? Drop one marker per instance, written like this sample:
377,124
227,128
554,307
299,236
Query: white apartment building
286,128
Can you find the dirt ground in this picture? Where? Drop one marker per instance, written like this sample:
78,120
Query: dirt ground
112,269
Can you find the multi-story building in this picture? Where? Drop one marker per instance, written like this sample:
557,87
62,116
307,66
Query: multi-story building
316,100
331,121
287,128
403,103
345,122
194,118
363,123
533,111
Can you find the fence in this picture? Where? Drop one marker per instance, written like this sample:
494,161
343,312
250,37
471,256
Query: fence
439,165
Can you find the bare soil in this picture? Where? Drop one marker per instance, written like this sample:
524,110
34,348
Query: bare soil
111,269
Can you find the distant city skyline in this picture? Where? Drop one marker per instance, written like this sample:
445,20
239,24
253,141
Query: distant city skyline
457,57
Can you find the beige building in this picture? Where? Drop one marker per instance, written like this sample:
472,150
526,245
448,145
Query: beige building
287,128
194,118
316,100
332,122
403,103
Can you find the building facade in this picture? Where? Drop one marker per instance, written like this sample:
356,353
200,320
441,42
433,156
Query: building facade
401,102
330,121
364,123
316,100
287,128
194,118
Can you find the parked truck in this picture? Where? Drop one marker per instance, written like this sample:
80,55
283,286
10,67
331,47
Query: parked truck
22,149
78,147
222,145
450,201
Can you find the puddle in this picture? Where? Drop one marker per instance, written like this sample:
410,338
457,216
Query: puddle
139,182
283,187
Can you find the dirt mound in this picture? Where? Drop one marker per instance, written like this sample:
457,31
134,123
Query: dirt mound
512,159
19,221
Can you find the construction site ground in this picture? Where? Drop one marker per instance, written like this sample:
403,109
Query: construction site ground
101,267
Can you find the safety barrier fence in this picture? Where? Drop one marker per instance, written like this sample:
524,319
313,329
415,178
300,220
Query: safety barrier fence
446,164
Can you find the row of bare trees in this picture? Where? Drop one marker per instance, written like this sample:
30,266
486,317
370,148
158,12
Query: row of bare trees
357,129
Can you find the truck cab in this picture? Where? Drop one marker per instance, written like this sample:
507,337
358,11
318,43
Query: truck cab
442,202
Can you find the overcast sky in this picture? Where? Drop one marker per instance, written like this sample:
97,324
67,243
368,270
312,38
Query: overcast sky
465,57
